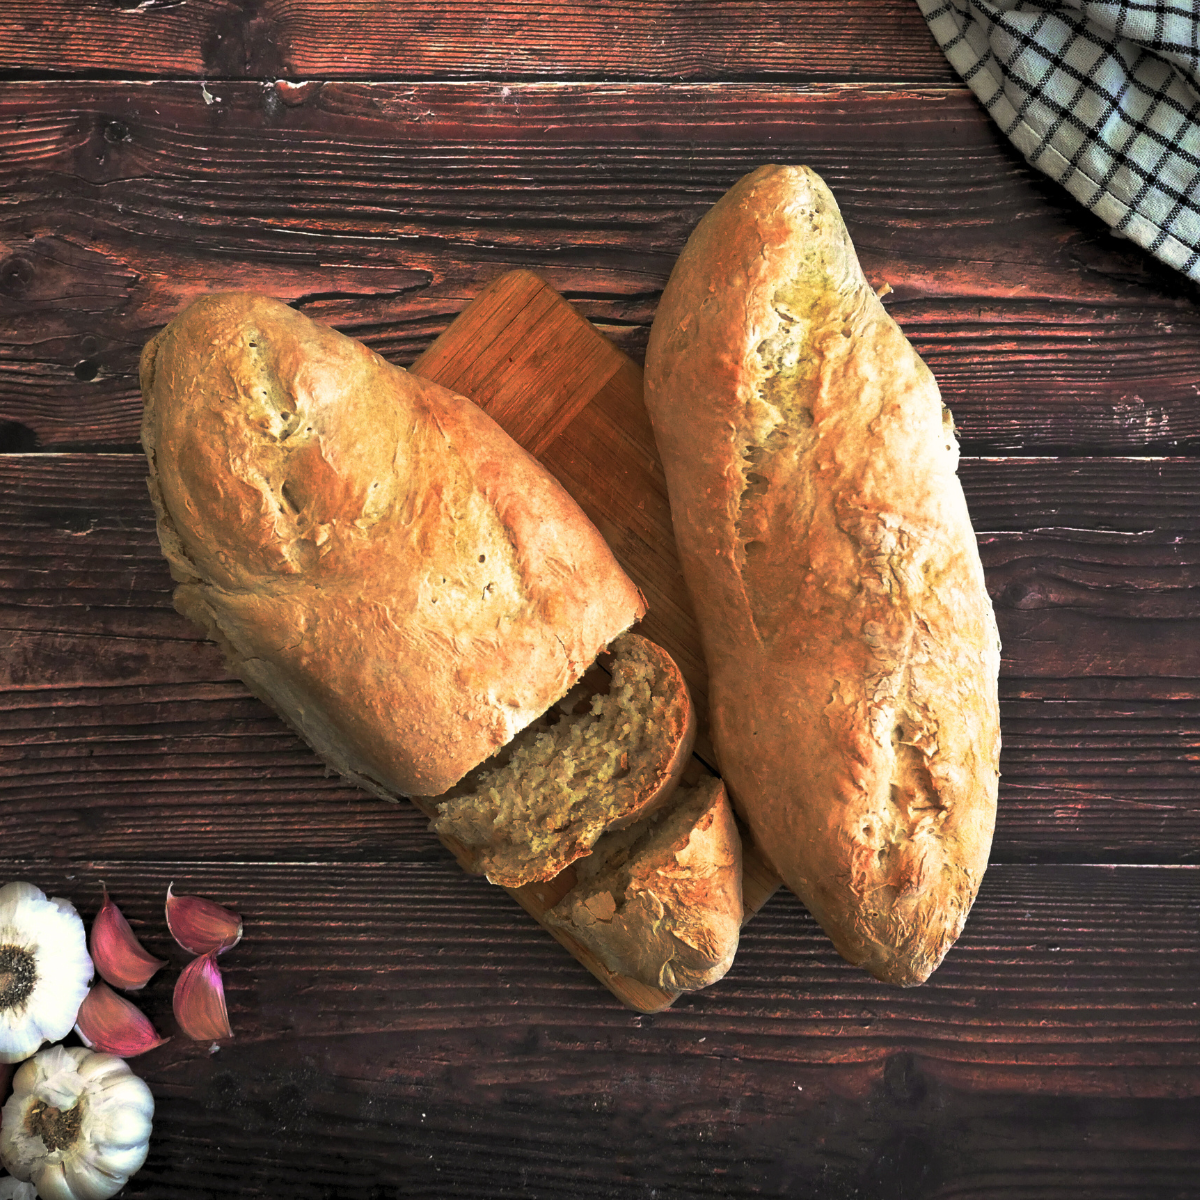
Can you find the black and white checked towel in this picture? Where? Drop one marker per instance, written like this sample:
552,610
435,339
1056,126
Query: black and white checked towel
1101,95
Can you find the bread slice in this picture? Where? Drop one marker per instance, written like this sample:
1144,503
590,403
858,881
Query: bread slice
378,559
661,901
595,763
825,539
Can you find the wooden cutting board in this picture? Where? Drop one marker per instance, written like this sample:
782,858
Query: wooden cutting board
562,390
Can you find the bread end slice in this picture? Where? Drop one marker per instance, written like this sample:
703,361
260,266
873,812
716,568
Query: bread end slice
661,901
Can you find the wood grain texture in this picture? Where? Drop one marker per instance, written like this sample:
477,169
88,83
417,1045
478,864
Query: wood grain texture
113,697
203,771
637,1129
521,39
404,1032
1074,968
1092,565
535,363
385,208
411,1034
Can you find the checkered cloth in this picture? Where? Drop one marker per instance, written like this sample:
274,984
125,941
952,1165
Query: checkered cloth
1101,95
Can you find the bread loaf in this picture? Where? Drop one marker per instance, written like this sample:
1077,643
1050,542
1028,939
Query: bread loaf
602,762
378,559
825,539
661,901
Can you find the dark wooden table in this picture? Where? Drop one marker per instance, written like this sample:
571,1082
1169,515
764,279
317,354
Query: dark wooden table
403,1030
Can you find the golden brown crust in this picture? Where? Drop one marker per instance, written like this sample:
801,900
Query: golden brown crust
380,561
851,645
661,901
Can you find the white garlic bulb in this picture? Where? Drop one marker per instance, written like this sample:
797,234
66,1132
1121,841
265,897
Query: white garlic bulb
77,1124
44,969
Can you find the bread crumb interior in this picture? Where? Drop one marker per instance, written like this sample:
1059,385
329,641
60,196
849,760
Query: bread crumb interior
585,767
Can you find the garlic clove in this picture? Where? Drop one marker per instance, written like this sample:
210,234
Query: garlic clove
199,1000
119,956
111,1024
85,1178
54,1184
14,1189
200,926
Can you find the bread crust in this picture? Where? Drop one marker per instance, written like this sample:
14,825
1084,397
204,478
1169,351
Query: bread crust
661,901
379,560
852,649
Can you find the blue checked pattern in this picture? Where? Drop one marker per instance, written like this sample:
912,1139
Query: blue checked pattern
1101,95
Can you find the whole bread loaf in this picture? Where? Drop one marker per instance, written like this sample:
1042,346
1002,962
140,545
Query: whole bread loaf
379,560
851,645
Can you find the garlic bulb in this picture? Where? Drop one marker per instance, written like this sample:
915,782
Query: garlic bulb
44,969
77,1124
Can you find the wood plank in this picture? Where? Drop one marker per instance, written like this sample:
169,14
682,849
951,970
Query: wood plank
220,39
1099,780
516,330
201,771
361,1116
386,208
400,1132
113,697
1092,566
1074,969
